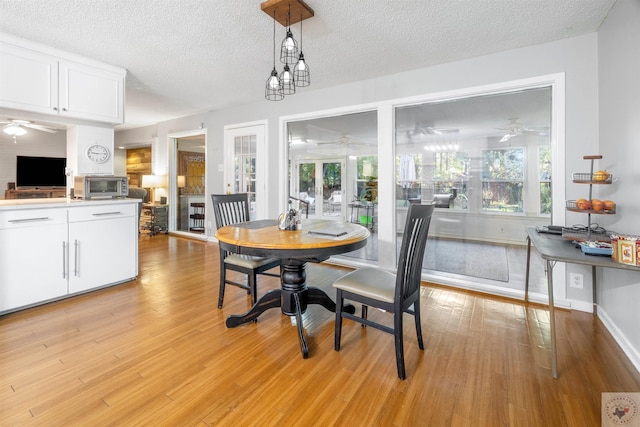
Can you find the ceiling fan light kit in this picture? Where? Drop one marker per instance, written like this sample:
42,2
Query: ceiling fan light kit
286,12
16,128
516,128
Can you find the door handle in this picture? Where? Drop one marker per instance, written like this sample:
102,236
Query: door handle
64,260
75,258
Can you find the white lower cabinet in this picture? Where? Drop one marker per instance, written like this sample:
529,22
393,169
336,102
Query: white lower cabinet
48,254
33,264
102,247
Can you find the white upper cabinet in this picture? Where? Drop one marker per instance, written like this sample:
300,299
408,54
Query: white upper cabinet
28,80
90,93
38,79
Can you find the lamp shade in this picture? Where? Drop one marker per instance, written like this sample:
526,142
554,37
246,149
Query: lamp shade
301,75
287,82
182,181
288,49
153,181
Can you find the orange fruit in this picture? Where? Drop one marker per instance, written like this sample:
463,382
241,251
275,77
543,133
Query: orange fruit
601,175
597,205
582,204
609,205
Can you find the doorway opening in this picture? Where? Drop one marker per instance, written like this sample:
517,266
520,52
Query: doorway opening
188,184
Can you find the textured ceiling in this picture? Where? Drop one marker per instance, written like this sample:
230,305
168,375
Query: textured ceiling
190,56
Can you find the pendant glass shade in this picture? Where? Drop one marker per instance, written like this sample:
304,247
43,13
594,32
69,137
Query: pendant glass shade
287,81
289,49
273,90
301,76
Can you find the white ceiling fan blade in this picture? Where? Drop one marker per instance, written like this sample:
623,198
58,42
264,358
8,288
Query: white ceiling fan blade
506,137
39,127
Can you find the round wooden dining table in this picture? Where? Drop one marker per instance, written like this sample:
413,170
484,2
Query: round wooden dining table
316,241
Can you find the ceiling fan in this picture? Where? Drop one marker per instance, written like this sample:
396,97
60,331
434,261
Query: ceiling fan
423,130
16,127
344,140
515,128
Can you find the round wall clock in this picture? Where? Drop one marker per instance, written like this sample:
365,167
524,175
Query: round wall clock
98,153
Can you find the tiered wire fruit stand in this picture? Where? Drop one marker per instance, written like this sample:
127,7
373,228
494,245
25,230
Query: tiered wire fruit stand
591,231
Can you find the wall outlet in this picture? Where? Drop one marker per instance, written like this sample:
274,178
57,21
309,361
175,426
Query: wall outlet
576,280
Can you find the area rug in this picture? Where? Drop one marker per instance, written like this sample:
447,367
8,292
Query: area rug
467,258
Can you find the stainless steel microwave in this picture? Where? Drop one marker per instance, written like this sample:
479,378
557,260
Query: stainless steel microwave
100,187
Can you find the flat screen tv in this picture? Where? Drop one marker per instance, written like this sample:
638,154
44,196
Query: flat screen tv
40,172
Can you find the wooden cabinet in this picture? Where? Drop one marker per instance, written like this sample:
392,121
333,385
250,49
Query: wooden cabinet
36,81
40,193
33,251
48,254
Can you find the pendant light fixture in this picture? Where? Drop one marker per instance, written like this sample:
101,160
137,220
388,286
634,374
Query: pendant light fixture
287,81
273,90
278,86
289,46
301,75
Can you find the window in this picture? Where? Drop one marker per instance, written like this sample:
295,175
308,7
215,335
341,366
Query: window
544,174
367,173
451,176
244,173
503,180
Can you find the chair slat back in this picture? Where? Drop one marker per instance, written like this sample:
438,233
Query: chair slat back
414,242
230,208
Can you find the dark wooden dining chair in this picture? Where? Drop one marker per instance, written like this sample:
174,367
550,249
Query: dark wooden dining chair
233,209
396,293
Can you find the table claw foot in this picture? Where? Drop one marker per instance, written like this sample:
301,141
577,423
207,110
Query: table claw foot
318,296
270,300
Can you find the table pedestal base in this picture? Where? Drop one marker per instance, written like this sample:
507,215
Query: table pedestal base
293,299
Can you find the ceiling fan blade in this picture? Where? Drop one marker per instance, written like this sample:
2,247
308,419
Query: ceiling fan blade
39,127
505,138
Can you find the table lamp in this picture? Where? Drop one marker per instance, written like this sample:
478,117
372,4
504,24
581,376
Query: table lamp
152,182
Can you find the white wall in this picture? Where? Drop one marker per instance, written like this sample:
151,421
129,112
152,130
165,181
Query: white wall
619,76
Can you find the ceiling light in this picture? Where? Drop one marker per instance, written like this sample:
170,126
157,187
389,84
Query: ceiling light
301,76
273,90
286,81
14,130
289,46
285,84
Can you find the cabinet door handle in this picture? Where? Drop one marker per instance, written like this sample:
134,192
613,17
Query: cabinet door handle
55,108
44,218
107,213
64,260
64,109
75,258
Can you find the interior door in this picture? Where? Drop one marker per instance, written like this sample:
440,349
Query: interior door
245,167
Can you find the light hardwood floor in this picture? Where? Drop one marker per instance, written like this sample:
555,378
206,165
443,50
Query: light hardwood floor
156,352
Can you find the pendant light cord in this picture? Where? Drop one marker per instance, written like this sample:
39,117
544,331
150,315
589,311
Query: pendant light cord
274,39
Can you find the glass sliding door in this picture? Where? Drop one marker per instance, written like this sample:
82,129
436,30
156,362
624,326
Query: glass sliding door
333,167
485,162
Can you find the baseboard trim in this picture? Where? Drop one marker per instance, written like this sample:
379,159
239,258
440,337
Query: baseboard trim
620,338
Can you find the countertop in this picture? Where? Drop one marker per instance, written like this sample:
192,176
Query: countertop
60,202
